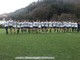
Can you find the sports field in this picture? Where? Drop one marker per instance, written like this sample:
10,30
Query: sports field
62,46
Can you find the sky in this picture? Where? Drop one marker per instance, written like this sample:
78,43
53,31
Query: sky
7,6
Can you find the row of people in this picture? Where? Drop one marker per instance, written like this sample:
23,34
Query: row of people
56,26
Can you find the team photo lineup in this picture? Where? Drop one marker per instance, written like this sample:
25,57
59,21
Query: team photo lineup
40,26
39,29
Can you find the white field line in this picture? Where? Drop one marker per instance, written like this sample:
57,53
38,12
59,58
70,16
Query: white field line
35,58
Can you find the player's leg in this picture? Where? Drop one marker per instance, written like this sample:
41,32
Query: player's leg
17,31
13,29
10,27
6,28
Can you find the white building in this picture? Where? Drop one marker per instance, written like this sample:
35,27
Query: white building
2,22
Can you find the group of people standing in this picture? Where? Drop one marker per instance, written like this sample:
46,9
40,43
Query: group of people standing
36,26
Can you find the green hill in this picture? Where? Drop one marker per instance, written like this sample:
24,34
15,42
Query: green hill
49,9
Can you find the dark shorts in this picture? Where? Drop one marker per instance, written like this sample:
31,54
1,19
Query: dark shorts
57,27
68,27
65,27
45,27
18,27
50,27
10,26
31,27
35,27
14,27
73,27
26,27
54,27
6,27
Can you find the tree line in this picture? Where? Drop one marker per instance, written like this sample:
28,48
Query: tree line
49,9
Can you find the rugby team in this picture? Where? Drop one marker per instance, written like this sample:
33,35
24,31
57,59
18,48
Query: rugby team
37,26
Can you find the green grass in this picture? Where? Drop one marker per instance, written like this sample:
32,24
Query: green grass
62,46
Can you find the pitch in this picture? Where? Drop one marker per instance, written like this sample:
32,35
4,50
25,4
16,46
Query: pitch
62,46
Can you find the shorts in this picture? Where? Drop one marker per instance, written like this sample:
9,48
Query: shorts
35,27
10,26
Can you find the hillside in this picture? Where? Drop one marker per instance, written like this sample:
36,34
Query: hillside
49,9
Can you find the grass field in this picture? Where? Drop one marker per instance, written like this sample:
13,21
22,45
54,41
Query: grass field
62,46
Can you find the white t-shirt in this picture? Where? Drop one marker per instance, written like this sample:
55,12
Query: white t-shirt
54,24
42,24
22,24
6,24
18,24
14,24
30,24
65,24
72,24
26,24
68,24
35,24
76,25
59,24
46,24
39,24
10,23
50,24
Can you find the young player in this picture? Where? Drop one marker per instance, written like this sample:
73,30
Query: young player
65,26
10,23
54,25
35,26
25,25
42,26
39,26
18,26
14,26
59,26
28,27
78,30
50,26
6,26
31,26
46,25
76,26
72,25
22,26
69,26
